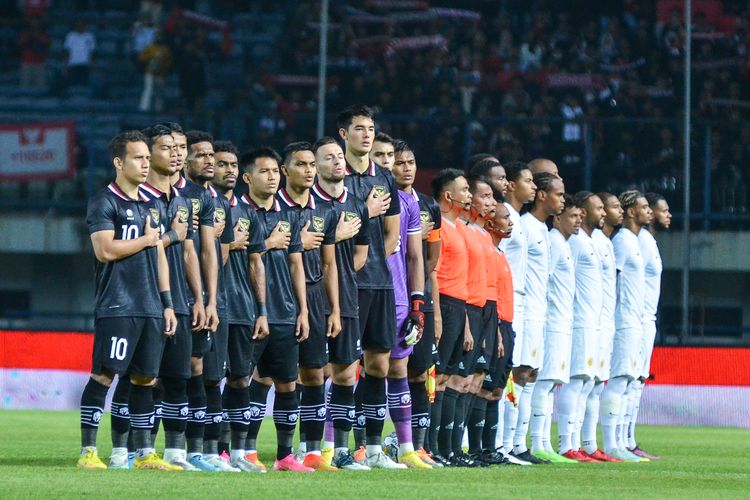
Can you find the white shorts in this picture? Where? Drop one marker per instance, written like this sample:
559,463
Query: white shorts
556,365
647,346
606,338
585,352
532,344
518,305
626,353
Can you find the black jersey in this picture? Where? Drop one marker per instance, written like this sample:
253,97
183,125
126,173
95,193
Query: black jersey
241,300
322,220
127,287
375,274
222,213
281,301
429,211
352,207
200,200
170,208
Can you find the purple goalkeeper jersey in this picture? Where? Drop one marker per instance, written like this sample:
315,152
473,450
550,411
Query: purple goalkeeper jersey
410,224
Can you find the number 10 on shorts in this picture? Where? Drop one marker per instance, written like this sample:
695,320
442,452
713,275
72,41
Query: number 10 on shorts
118,349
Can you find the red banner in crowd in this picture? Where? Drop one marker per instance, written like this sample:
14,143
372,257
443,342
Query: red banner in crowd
37,151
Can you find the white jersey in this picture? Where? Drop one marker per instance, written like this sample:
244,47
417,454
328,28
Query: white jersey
609,275
515,251
562,284
587,309
652,261
537,267
631,286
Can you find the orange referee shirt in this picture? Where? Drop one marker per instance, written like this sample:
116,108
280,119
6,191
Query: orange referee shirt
492,269
477,282
504,287
453,266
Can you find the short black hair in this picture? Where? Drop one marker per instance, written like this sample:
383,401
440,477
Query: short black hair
248,159
475,180
293,147
383,137
119,143
581,198
196,136
604,196
442,179
173,127
476,158
154,132
400,146
326,139
483,167
570,202
629,198
226,147
544,181
513,170
344,119
653,199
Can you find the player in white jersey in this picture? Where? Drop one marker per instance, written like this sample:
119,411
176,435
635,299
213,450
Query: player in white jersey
626,361
609,206
652,259
529,353
520,191
557,332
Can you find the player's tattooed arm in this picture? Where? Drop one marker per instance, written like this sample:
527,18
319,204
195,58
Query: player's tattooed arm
297,271
210,271
392,228
257,273
193,276
108,249
331,285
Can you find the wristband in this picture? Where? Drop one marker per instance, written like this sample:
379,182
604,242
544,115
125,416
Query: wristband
417,301
166,299
172,236
262,311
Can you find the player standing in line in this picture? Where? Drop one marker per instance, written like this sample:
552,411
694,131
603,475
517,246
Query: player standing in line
134,309
383,151
662,219
603,245
344,351
520,191
377,310
528,356
318,236
421,359
626,363
587,310
245,282
557,336
543,166
494,172
277,355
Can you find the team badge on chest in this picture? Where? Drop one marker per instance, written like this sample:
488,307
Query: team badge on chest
182,213
196,205
220,216
317,223
154,216
244,225
380,191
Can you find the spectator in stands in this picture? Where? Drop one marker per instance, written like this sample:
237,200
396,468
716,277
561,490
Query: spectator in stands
79,47
34,44
151,10
156,60
144,33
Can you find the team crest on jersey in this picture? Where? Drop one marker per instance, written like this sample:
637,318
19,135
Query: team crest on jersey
182,212
285,226
196,205
220,216
317,223
349,216
380,191
244,225
424,217
154,215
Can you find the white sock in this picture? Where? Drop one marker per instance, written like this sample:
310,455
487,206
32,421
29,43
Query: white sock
566,413
547,437
303,446
611,401
539,406
590,419
143,452
636,394
509,428
524,414
171,454
580,413
336,451
236,454
624,418
328,444
500,424
119,451
373,449
405,448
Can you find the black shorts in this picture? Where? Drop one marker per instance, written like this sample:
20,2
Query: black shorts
346,348
488,345
451,346
468,364
313,352
175,360
421,358
377,319
202,341
215,360
128,345
500,367
240,350
278,353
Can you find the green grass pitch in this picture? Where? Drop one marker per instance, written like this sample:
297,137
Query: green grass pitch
38,450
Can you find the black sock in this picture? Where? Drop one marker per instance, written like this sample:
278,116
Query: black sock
447,421
285,415
420,413
491,419
341,408
196,421
436,412
141,404
238,411
92,409
374,405
458,423
158,396
258,396
476,423
120,423
312,412
226,431
174,411
214,413
359,414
